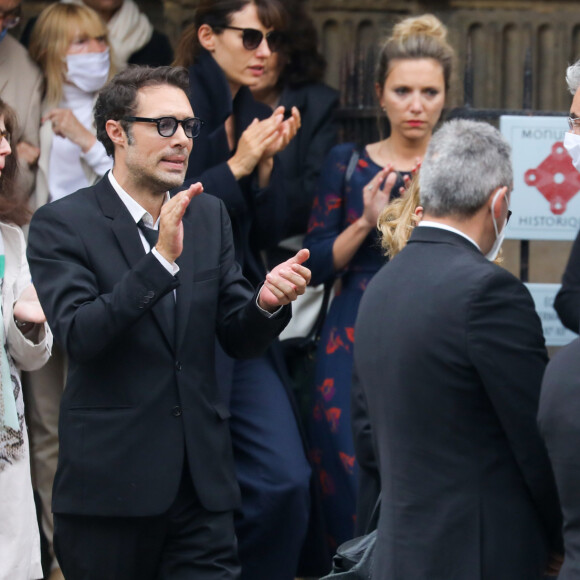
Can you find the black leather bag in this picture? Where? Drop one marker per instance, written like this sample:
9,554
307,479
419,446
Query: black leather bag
354,559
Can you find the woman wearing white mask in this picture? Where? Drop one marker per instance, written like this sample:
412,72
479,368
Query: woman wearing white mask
69,43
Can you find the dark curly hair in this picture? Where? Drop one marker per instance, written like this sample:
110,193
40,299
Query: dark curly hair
304,62
118,98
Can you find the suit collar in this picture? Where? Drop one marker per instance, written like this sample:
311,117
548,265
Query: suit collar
437,235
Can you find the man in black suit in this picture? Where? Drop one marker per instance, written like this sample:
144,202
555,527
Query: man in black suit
450,354
559,420
145,487
567,301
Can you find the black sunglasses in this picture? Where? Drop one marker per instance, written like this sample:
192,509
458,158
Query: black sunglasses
252,38
167,126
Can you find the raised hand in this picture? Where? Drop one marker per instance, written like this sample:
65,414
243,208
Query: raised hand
253,142
285,282
65,124
27,308
286,132
376,195
170,242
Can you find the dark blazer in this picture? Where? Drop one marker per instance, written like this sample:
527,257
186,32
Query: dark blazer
567,302
258,214
137,402
450,354
302,160
559,421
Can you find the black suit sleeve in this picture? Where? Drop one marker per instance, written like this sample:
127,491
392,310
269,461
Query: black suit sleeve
567,302
84,320
506,345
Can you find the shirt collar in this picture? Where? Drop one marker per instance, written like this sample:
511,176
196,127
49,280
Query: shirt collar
441,226
137,212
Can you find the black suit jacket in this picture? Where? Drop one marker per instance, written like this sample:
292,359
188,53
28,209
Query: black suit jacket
450,354
567,302
559,420
136,403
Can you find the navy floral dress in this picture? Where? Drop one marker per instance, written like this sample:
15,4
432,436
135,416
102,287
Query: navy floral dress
339,203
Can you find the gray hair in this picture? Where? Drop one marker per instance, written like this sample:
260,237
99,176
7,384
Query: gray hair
573,77
464,163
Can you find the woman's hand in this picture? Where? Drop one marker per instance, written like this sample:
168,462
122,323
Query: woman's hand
376,195
65,124
286,132
27,308
28,152
254,141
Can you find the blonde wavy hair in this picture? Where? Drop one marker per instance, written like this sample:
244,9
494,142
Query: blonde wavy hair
54,31
397,220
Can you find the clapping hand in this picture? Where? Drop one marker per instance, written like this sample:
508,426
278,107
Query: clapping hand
285,282
377,193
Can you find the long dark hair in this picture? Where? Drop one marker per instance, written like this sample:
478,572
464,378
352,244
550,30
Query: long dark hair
304,62
217,14
13,205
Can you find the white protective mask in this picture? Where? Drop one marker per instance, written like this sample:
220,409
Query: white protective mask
572,145
89,70
499,236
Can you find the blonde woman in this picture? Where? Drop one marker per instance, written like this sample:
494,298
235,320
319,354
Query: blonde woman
412,82
69,43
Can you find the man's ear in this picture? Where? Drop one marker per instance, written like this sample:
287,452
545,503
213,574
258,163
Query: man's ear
206,37
116,132
499,194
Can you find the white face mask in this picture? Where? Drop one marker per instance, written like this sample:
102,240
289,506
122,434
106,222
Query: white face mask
572,145
88,71
499,236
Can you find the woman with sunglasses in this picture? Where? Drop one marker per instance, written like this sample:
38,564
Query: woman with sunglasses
225,49
25,343
69,43
412,80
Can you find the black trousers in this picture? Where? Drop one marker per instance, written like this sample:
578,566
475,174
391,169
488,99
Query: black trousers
186,543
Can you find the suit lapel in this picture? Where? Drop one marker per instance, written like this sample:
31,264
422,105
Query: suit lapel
125,230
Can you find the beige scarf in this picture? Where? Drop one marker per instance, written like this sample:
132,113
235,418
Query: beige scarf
129,30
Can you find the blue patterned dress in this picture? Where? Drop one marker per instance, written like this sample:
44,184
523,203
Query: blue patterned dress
338,204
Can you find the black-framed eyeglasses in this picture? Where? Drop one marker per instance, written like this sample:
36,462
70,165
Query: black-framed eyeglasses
509,215
4,134
252,38
167,126
11,18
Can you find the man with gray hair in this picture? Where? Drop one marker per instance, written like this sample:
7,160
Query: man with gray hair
449,353
567,303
